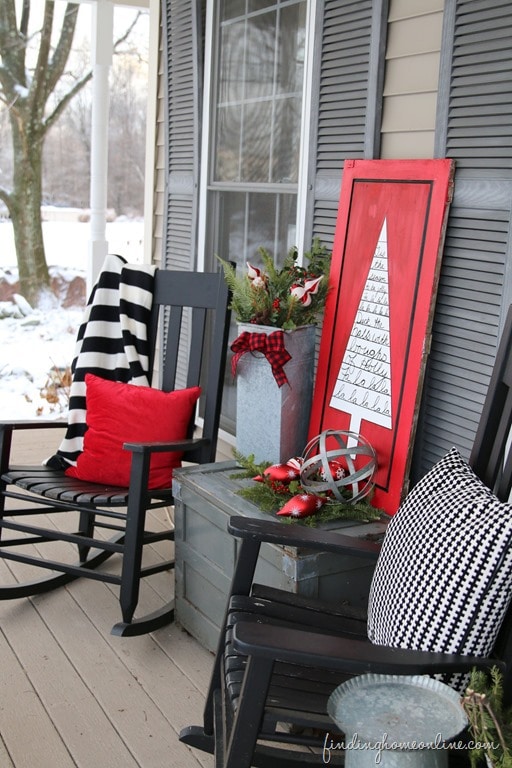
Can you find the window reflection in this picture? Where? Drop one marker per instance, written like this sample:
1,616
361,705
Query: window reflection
259,92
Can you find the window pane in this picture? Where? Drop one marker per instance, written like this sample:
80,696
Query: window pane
259,5
286,226
261,224
257,138
286,140
231,65
248,220
260,56
231,8
291,48
271,224
227,160
230,241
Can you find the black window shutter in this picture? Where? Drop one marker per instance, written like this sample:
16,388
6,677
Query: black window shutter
182,51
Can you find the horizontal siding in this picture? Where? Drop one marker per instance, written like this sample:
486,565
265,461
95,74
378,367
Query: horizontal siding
401,9
410,112
420,75
412,36
410,84
409,145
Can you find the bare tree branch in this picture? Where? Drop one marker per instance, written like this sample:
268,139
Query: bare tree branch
63,48
56,113
12,43
25,16
128,32
5,197
37,89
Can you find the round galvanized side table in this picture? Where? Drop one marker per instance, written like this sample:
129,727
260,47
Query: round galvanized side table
395,721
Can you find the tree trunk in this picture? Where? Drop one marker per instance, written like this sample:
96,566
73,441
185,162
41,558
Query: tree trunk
25,213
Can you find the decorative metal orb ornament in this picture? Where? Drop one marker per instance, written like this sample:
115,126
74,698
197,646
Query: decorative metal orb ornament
346,470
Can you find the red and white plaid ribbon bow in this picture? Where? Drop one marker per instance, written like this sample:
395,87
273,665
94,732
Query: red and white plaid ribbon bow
271,345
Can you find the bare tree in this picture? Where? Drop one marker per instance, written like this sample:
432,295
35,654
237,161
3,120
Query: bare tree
26,90
36,89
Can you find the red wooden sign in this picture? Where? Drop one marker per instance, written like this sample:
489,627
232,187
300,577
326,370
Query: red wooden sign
386,259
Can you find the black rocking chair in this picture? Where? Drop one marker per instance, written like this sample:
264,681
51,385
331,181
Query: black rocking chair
202,301
280,656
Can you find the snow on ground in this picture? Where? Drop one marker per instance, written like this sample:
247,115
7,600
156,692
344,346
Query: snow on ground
29,348
33,341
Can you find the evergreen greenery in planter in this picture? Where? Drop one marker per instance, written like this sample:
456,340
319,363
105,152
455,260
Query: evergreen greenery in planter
284,297
490,724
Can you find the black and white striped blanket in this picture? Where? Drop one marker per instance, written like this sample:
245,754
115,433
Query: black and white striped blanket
112,342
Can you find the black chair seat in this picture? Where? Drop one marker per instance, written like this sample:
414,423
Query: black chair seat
293,689
54,484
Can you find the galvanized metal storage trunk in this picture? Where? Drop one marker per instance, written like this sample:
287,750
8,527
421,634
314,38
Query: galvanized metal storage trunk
205,553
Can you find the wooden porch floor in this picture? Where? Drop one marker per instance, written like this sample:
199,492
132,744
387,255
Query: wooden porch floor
72,694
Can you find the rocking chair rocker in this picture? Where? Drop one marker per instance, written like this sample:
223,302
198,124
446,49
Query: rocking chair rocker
178,297
280,656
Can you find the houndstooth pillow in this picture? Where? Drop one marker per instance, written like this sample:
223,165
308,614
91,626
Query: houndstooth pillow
443,580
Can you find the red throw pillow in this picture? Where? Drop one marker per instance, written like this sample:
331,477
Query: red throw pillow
120,413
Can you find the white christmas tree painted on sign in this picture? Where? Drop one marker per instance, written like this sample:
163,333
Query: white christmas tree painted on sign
363,385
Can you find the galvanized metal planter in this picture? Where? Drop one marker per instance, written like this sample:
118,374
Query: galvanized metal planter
272,422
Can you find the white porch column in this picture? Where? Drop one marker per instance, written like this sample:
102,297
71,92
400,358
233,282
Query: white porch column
102,34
